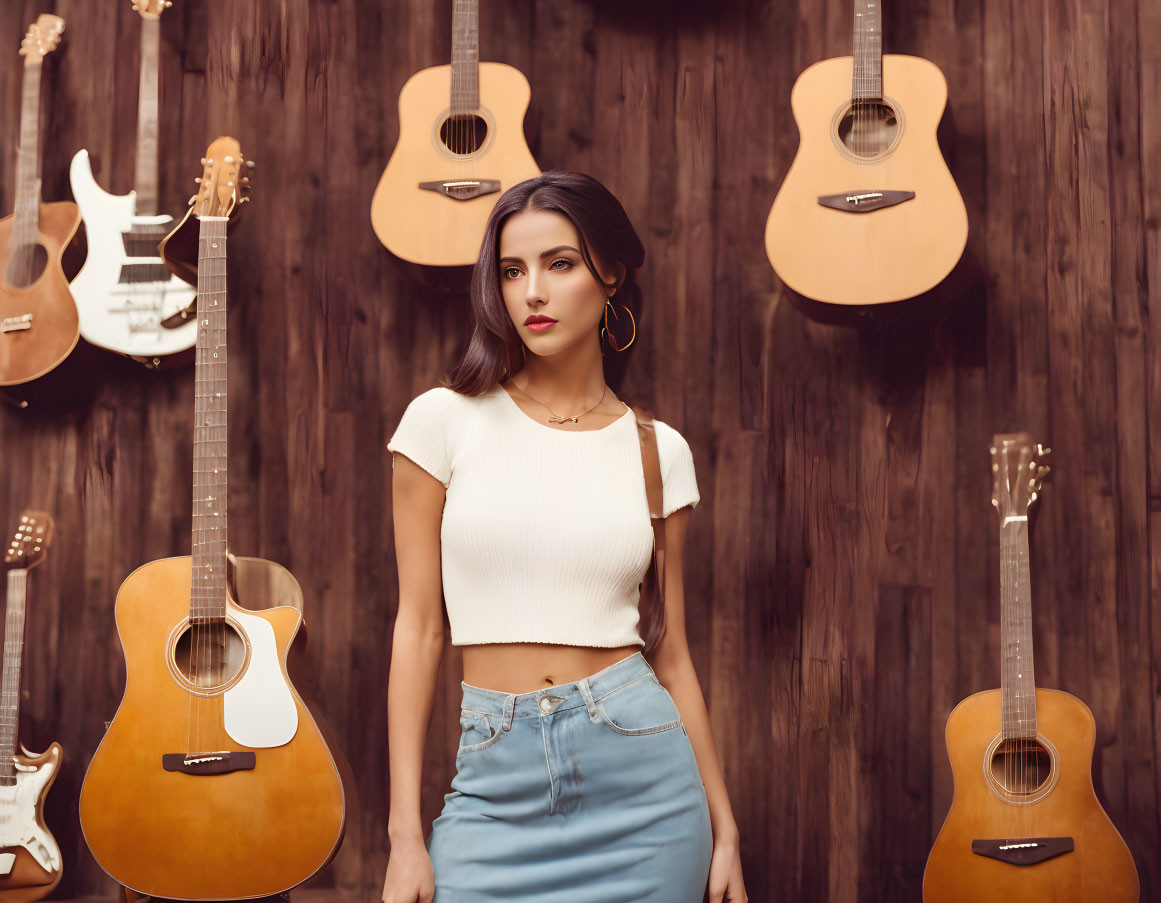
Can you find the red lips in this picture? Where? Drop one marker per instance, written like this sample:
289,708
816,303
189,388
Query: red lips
538,318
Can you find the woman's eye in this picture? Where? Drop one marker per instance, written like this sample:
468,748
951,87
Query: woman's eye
511,272
566,262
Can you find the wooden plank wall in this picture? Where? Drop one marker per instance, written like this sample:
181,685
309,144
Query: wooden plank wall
841,579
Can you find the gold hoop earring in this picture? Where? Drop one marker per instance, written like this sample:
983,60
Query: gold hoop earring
608,334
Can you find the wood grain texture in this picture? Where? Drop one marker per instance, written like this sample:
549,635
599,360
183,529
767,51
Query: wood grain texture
841,575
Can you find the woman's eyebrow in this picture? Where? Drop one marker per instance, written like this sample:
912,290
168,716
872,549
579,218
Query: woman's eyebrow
544,254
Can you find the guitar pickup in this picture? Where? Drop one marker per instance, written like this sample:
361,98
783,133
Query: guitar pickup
864,201
208,763
1024,850
16,324
463,189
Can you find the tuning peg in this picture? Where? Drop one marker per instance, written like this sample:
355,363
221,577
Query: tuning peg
250,164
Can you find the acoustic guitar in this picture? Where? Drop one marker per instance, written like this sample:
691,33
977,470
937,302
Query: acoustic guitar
30,860
868,212
213,781
461,144
1025,825
38,319
125,294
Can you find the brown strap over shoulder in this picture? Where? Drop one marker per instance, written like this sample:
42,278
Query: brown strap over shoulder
651,466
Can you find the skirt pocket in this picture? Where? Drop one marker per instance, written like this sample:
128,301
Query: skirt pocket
642,706
478,730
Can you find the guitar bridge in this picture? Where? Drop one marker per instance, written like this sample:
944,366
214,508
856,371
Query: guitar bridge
16,324
864,201
463,189
1023,850
208,763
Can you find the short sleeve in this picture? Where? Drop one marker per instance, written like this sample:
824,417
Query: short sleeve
422,434
678,480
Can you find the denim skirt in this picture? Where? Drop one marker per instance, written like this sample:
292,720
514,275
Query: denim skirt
585,792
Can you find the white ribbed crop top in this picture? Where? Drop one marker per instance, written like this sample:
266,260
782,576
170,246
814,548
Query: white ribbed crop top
546,533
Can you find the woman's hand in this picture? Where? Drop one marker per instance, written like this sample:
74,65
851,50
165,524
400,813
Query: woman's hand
410,878
725,874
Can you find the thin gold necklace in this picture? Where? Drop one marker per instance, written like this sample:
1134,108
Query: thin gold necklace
556,418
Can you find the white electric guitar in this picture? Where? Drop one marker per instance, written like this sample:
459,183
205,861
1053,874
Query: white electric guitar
127,299
30,863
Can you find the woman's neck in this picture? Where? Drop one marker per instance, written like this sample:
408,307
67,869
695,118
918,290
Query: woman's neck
565,381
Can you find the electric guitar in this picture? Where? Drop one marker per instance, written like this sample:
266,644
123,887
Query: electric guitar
30,861
38,319
868,212
125,294
213,781
1025,825
461,144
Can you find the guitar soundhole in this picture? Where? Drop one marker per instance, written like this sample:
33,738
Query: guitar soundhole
1021,766
868,128
209,656
25,265
463,134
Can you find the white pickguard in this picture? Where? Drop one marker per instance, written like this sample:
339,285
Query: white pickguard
123,317
259,709
18,827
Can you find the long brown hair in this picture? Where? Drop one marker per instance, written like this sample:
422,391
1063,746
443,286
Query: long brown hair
495,349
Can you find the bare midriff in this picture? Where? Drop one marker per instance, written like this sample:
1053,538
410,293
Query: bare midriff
528,667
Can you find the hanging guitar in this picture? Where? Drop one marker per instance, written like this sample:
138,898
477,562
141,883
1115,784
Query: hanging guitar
868,212
38,319
30,860
125,294
461,144
213,781
1025,825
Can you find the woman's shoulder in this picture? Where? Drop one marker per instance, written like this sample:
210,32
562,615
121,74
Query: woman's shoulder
670,443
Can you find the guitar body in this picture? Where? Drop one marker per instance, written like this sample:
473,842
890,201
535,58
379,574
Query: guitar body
427,227
122,299
26,354
1099,868
248,833
883,254
30,860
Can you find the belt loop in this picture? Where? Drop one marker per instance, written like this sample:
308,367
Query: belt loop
509,711
587,693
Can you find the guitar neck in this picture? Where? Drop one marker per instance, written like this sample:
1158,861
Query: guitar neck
465,87
208,587
27,219
13,658
867,83
1018,677
145,176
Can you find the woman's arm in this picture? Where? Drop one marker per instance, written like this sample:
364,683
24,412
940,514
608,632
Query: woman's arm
417,642
674,666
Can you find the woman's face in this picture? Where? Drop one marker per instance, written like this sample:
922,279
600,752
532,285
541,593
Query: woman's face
542,274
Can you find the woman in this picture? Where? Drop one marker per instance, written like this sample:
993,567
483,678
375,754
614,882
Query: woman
519,496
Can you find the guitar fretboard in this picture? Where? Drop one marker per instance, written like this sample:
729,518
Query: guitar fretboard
26,220
13,658
867,83
208,589
465,89
145,174
1017,675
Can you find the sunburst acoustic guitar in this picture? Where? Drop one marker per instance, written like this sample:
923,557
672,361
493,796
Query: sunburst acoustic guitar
213,781
38,319
1025,824
461,143
868,212
30,859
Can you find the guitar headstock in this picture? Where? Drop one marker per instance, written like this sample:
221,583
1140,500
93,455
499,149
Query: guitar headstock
225,179
42,38
30,543
1018,471
151,9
